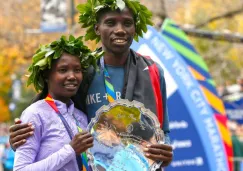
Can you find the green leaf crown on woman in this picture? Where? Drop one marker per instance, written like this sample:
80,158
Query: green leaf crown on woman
44,56
88,15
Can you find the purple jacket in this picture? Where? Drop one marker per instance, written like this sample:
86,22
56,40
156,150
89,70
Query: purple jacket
48,149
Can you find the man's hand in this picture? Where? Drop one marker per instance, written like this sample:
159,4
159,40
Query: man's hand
19,133
159,152
81,142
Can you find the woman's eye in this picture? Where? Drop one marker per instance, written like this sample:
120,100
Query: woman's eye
62,70
78,70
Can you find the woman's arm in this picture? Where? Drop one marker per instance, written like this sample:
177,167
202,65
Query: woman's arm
24,159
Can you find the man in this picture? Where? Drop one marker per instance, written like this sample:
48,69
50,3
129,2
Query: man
131,76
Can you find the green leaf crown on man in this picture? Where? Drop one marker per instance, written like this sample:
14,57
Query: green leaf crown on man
88,15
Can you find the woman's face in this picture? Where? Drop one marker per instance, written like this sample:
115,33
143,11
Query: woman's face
65,77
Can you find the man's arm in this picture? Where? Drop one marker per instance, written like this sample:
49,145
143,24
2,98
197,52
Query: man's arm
19,133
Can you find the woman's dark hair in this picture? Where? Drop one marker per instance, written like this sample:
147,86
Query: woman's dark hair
41,95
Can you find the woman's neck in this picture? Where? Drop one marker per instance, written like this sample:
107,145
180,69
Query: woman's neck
65,100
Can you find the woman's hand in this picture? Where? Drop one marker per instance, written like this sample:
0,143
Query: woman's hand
19,133
81,142
159,152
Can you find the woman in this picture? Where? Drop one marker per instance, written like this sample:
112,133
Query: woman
59,137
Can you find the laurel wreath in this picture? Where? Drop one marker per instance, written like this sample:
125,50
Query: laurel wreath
88,15
44,56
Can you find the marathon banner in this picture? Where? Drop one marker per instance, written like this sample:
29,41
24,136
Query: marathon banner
197,66
53,15
194,134
234,110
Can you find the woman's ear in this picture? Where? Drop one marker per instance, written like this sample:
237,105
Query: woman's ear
97,29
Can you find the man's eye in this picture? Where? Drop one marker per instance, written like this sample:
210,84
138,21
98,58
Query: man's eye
110,23
128,23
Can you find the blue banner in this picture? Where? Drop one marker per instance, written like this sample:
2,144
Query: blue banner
194,134
234,110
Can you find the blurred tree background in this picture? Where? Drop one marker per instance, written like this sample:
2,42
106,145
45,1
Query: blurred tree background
17,44
219,16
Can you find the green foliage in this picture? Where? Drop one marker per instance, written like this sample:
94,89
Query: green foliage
88,15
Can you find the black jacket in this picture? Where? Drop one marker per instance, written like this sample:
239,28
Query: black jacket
141,83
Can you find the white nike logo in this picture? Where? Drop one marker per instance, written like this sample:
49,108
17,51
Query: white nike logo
145,69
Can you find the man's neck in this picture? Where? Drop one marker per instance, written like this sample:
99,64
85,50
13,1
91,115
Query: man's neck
116,60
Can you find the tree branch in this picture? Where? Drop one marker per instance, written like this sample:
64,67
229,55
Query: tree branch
226,15
230,37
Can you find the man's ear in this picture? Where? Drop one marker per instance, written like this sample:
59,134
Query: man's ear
96,27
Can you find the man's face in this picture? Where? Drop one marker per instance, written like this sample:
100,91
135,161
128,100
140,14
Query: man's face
116,30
